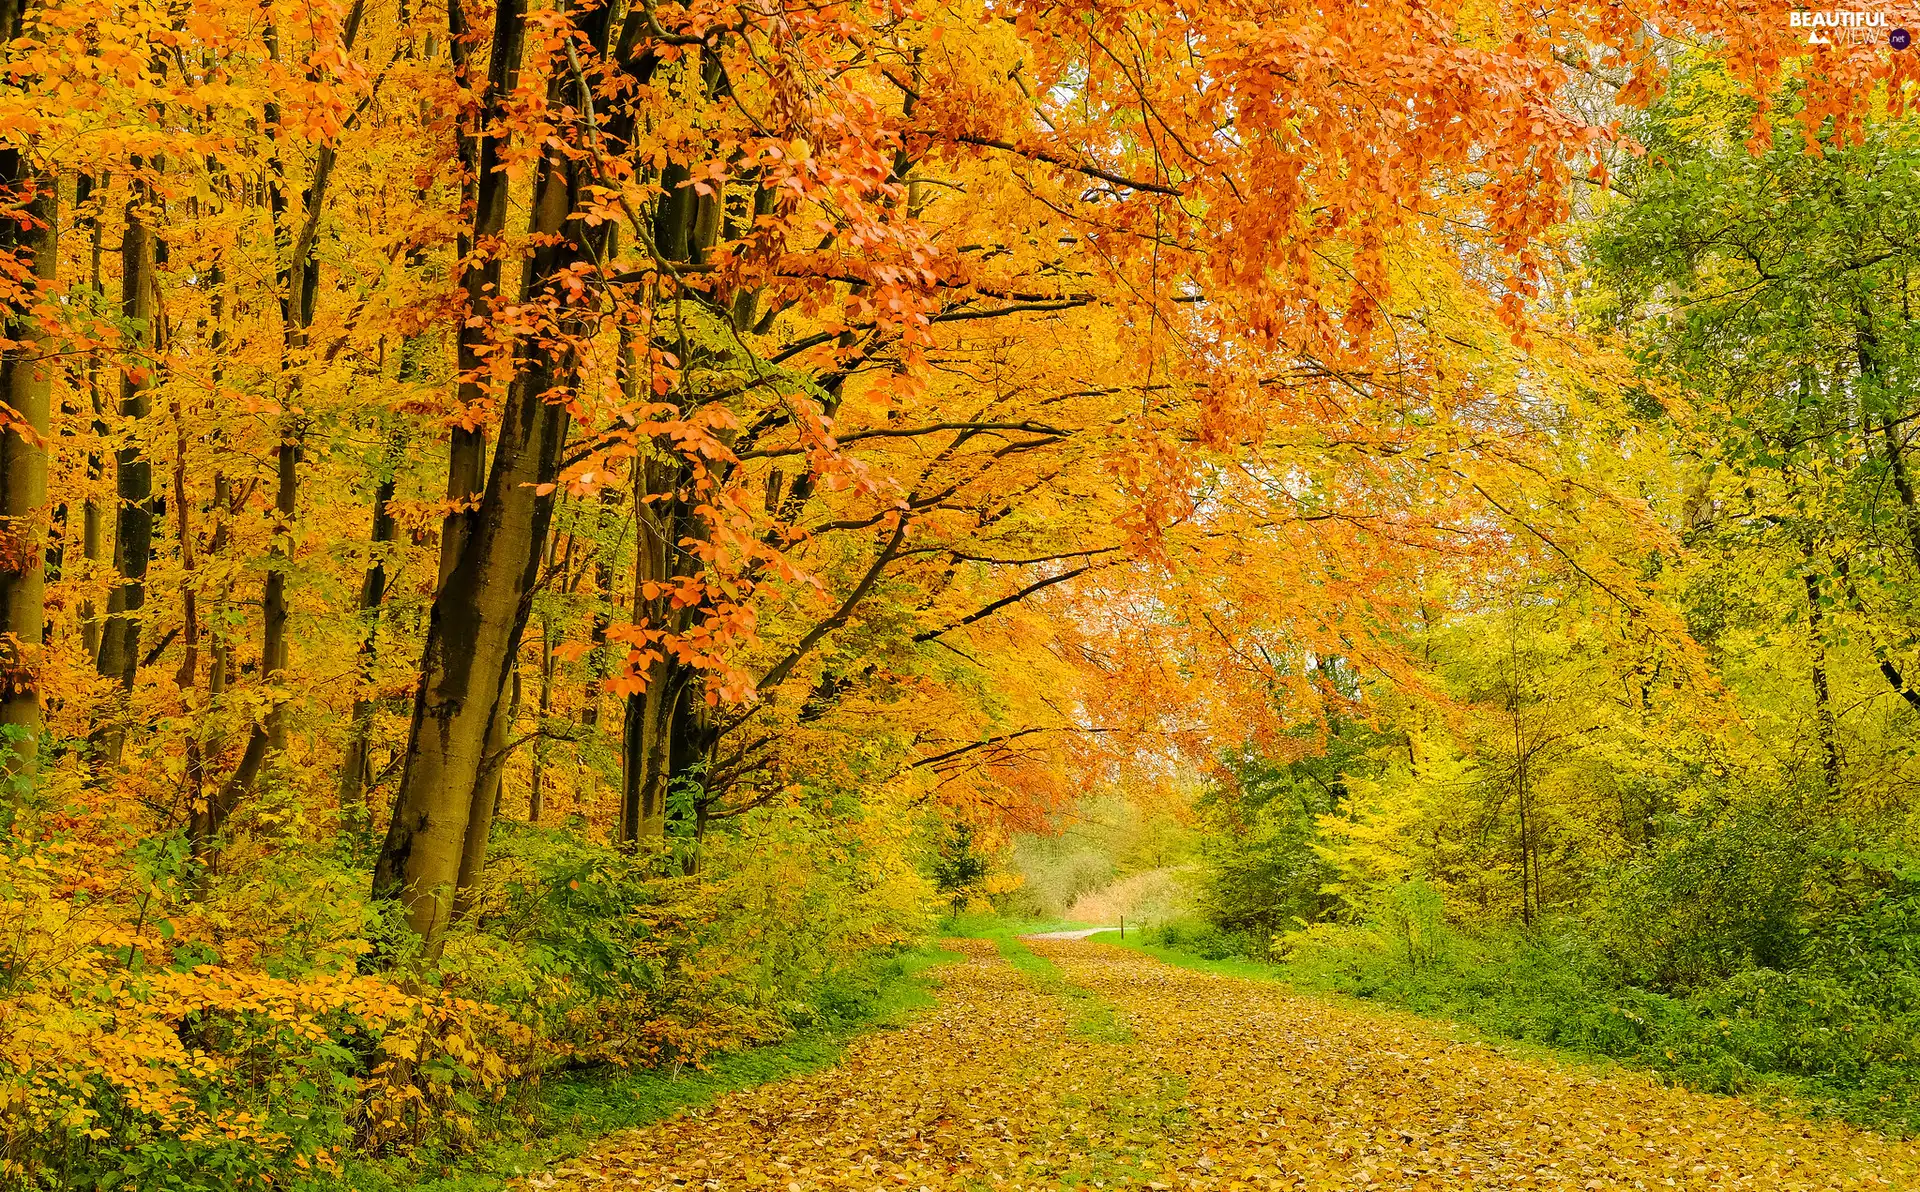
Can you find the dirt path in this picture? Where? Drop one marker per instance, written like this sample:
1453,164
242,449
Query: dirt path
1112,1071
1078,933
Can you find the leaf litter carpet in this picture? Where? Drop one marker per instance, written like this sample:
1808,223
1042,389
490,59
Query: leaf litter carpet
1105,1069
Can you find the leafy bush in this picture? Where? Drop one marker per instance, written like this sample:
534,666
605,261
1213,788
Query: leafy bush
1411,912
1205,939
1262,873
126,1060
1711,897
627,959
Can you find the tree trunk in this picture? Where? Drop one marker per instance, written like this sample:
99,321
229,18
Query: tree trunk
692,734
204,744
26,384
602,612
373,592
472,631
647,758
654,738
486,794
133,526
536,792
487,190
1823,719
91,547
481,609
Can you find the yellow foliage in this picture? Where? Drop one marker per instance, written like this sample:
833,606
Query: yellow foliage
98,1042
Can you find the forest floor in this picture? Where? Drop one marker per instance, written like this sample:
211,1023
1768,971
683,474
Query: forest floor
1077,1065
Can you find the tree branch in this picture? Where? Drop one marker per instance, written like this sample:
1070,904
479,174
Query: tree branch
1003,602
774,677
1052,159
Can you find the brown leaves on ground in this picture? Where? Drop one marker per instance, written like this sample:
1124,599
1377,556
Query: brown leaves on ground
1130,1074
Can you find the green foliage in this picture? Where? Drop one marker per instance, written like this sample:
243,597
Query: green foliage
960,867
1261,871
1411,914
1837,1046
1711,897
1201,938
625,958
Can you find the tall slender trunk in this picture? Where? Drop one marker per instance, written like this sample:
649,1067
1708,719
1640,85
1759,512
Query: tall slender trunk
602,611
26,384
536,791
373,593
660,740
1522,795
481,609
204,743
87,208
119,656
189,669
692,733
485,807
485,804
1823,719
1825,730
226,504
298,284
647,734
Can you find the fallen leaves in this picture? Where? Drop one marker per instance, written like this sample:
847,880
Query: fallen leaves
1216,1085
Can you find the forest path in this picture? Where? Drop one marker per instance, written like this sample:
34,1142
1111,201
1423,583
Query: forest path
1099,1068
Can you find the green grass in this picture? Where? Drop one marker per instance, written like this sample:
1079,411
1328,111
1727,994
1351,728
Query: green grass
571,1112
978,926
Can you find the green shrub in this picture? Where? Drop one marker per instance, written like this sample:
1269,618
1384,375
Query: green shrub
1206,940
1711,897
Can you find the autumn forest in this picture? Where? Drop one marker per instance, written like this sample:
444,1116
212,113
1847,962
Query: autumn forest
552,551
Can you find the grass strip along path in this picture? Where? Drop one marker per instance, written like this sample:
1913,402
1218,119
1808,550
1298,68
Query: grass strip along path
1092,1067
